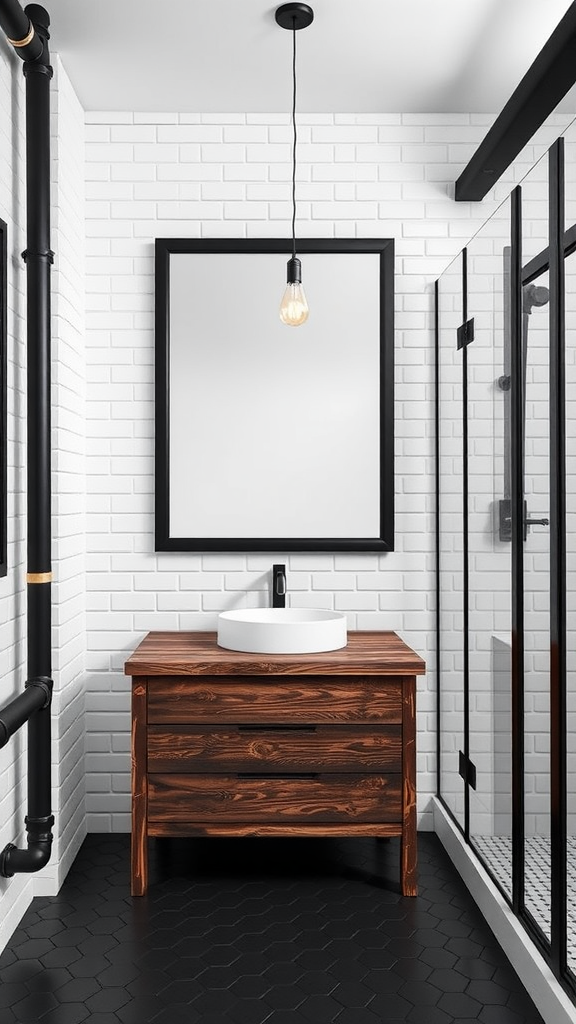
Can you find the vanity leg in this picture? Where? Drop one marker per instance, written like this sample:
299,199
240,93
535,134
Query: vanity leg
139,853
408,849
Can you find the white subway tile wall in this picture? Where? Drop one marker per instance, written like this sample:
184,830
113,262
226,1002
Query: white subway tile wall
228,176
68,376
68,481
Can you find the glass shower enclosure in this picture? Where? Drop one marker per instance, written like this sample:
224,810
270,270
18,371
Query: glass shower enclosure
506,550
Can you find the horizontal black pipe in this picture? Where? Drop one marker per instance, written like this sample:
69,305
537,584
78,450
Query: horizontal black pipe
545,83
18,28
36,696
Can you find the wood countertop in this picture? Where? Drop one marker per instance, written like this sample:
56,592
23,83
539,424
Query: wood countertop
368,653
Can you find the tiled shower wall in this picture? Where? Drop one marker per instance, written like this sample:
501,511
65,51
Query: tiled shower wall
208,176
67,482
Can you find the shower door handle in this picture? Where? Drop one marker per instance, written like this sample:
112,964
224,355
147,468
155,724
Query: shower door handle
536,522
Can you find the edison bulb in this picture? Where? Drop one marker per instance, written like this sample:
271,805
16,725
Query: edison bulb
294,308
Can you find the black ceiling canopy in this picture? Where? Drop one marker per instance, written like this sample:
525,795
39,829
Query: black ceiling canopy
545,83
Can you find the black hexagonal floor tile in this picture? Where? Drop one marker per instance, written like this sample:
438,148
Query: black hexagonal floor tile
259,932
285,997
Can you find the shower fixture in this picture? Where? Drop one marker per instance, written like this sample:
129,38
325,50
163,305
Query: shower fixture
294,307
533,295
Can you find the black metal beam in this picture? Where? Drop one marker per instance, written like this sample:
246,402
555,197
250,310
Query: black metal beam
545,83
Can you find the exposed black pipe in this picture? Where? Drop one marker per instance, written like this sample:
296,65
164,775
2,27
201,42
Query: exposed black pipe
28,32
20,31
37,695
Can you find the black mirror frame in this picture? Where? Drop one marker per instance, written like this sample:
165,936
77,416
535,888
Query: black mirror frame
164,248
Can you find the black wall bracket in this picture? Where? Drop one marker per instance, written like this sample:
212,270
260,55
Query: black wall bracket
466,769
465,334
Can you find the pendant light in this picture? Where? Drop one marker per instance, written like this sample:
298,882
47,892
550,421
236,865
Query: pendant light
294,308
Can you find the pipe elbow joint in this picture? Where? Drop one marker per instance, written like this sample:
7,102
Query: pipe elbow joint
36,856
14,861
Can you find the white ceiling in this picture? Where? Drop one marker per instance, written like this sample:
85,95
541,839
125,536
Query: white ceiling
359,55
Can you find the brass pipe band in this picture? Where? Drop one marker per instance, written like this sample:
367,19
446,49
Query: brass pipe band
23,42
38,577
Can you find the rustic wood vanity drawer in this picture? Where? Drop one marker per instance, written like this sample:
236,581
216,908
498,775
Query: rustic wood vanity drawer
323,748
226,743
292,699
336,798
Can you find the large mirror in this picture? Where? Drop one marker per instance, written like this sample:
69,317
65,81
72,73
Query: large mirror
269,437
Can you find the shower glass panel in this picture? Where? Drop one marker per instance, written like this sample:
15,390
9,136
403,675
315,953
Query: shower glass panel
535,211
536,358
506,436
570,176
537,850
570,406
451,582
489,545
570,413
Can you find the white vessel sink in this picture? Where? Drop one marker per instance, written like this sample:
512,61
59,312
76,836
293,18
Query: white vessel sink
282,630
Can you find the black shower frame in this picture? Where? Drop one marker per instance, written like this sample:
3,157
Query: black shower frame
562,243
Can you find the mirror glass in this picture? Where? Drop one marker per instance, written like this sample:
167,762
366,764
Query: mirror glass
271,436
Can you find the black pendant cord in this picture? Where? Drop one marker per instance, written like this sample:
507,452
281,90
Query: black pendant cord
294,16
295,140
34,704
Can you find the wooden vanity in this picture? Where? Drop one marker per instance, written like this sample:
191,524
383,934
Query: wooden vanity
233,744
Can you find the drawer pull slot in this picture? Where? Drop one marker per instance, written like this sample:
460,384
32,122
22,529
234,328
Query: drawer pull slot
277,775
276,728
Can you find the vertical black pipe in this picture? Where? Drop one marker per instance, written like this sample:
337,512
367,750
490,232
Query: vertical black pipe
38,257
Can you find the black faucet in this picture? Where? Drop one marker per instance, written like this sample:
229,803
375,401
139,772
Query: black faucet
278,586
